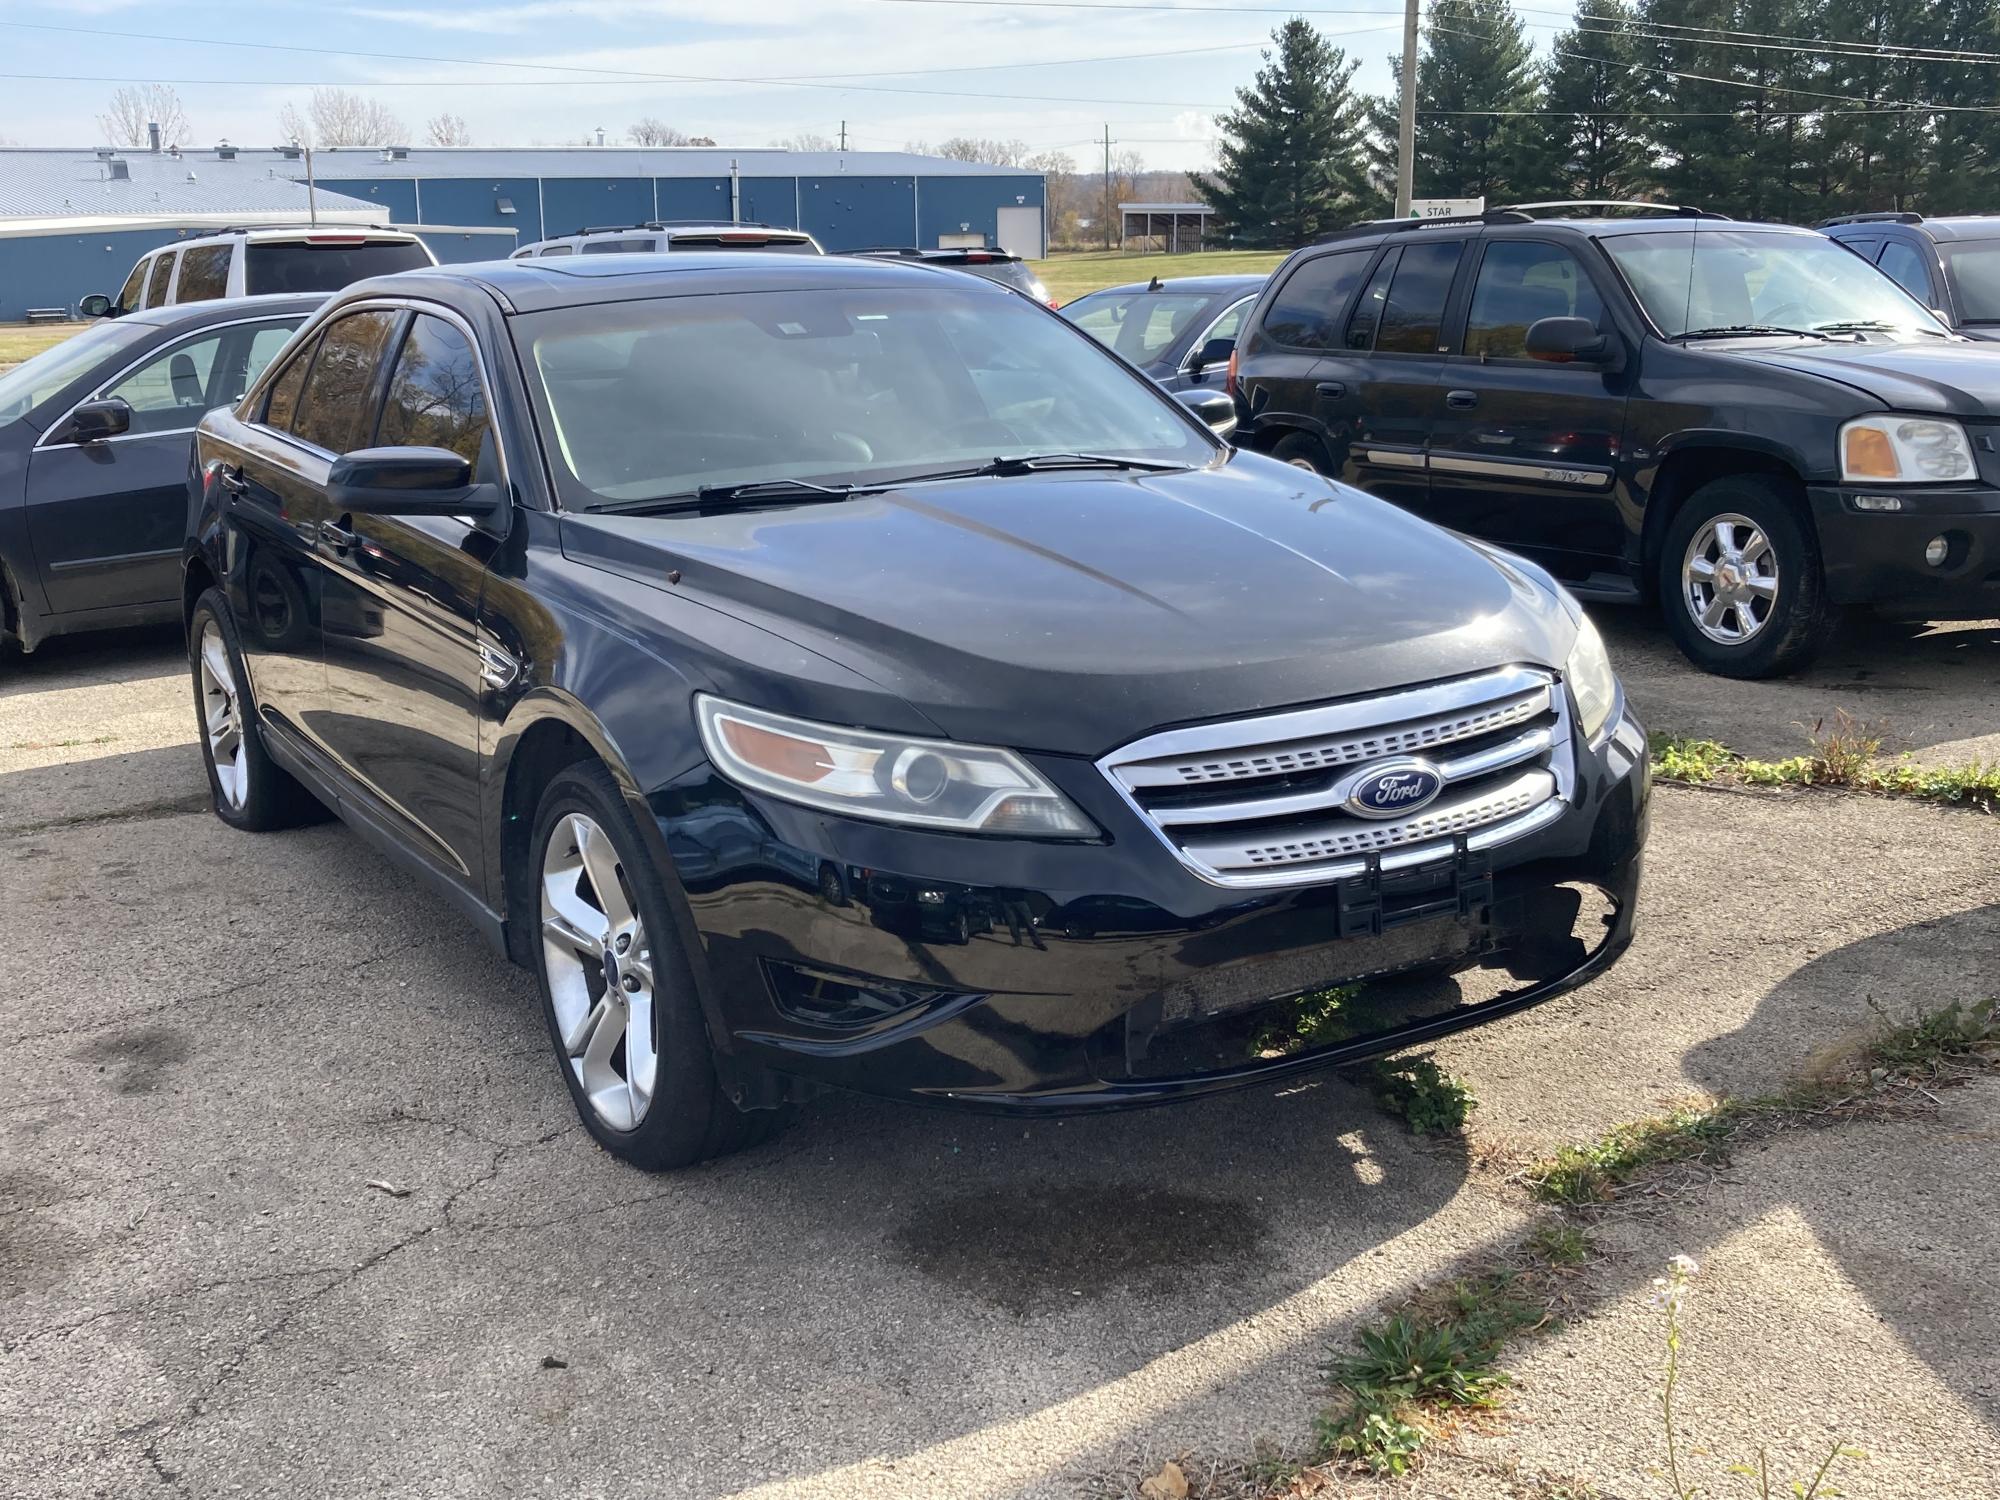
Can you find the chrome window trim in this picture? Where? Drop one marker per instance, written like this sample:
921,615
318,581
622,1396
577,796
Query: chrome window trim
487,384
1187,364
147,358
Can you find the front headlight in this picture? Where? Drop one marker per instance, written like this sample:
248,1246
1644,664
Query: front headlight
927,783
1904,450
1591,680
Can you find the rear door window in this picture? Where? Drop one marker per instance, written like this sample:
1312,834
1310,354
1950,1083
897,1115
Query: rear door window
1414,316
162,278
1309,306
204,273
336,407
323,266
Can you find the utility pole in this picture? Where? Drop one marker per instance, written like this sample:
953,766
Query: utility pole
1406,128
1107,185
843,135
312,192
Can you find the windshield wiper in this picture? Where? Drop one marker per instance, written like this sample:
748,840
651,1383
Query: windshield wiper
1732,329
798,491
1036,463
1876,325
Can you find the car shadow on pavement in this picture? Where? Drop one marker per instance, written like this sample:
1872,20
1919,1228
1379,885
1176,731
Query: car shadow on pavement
107,656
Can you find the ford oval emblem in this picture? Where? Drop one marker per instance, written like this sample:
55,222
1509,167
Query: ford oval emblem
1395,789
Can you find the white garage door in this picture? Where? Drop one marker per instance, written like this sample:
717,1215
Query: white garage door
1021,232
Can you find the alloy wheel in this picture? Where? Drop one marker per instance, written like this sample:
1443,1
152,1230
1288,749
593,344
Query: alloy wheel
222,716
1729,579
600,971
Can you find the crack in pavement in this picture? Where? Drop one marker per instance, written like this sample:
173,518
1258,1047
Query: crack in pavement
145,812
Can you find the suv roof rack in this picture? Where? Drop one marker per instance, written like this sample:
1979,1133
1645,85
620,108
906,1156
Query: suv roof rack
1665,210
1878,218
1403,226
306,229
658,224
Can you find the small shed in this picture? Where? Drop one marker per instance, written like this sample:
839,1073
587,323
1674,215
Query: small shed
1171,227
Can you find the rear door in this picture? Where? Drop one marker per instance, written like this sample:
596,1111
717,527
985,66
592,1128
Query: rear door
1284,351
1525,452
107,518
401,715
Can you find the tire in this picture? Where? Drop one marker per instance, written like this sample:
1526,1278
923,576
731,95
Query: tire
247,788
1302,451
614,980
1760,609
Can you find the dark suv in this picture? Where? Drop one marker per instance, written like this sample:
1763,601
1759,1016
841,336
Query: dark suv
835,671
1951,265
1743,420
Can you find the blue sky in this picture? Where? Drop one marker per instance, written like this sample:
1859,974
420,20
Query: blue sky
895,71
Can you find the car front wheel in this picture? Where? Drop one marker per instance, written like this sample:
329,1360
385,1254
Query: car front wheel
617,990
1740,580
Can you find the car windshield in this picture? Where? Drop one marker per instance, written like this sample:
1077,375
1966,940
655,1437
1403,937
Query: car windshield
1975,271
848,386
1744,278
27,386
1139,325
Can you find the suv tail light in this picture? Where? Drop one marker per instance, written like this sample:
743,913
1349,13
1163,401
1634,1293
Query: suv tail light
1229,379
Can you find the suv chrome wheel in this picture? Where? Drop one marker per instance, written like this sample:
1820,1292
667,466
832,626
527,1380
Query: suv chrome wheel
222,717
600,971
1729,579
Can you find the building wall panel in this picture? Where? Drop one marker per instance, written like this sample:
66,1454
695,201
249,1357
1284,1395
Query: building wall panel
60,270
573,203
968,205
398,196
851,213
476,200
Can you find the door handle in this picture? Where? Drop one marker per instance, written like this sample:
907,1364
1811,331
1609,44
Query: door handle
1331,388
231,480
1462,400
337,536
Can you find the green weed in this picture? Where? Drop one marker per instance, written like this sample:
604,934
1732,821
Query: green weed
1432,1101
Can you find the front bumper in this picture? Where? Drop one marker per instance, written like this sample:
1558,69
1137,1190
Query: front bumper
1876,558
1025,976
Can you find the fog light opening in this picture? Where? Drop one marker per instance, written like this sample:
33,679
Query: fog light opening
1936,551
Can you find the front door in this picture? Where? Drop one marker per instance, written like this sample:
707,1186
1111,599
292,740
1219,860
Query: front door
401,712
1525,452
107,518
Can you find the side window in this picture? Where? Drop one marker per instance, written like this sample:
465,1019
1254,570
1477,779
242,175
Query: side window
281,402
334,410
435,398
616,247
1521,282
556,250
134,288
162,278
169,392
1368,311
204,273
1905,266
1415,312
1308,306
1225,327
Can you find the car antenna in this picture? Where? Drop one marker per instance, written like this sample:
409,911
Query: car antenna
1155,285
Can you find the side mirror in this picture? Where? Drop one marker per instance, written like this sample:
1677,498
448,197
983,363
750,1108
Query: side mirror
408,482
96,305
1566,341
94,421
1217,411
1214,352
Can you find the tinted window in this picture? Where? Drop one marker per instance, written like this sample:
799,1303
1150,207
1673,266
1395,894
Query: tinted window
1521,282
1368,311
334,411
135,285
204,273
616,247
1905,266
773,246
163,275
557,250
655,398
435,398
282,401
1415,313
169,392
1309,305
1975,269
281,266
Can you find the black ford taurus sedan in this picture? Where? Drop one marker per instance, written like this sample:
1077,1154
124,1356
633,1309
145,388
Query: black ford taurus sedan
836,672
94,439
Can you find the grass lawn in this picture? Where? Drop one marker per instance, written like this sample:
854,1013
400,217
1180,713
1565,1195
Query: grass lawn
19,341
1071,275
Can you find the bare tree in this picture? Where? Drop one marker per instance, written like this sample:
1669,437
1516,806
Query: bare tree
807,141
653,132
132,109
969,148
341,117
448,130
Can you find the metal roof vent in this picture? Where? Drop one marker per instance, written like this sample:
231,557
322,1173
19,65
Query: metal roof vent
105,153
225,152
121,171
395,153
291,153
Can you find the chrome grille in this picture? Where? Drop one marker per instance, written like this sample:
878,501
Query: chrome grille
1263,801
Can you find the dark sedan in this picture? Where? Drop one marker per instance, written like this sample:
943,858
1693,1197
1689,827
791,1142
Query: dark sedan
94,441
824,671
1179,332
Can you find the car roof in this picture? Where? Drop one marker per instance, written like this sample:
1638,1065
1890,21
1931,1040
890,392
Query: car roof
576,281
1211,285
225,309
1958,227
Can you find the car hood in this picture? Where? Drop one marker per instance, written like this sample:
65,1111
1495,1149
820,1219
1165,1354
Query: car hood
1071,612
1961,380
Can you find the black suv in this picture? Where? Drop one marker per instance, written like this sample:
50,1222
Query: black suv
835,671
1742,420
1951,265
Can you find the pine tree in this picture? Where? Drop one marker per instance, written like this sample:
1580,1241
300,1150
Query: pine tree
1291,156
1479,91
1596,101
